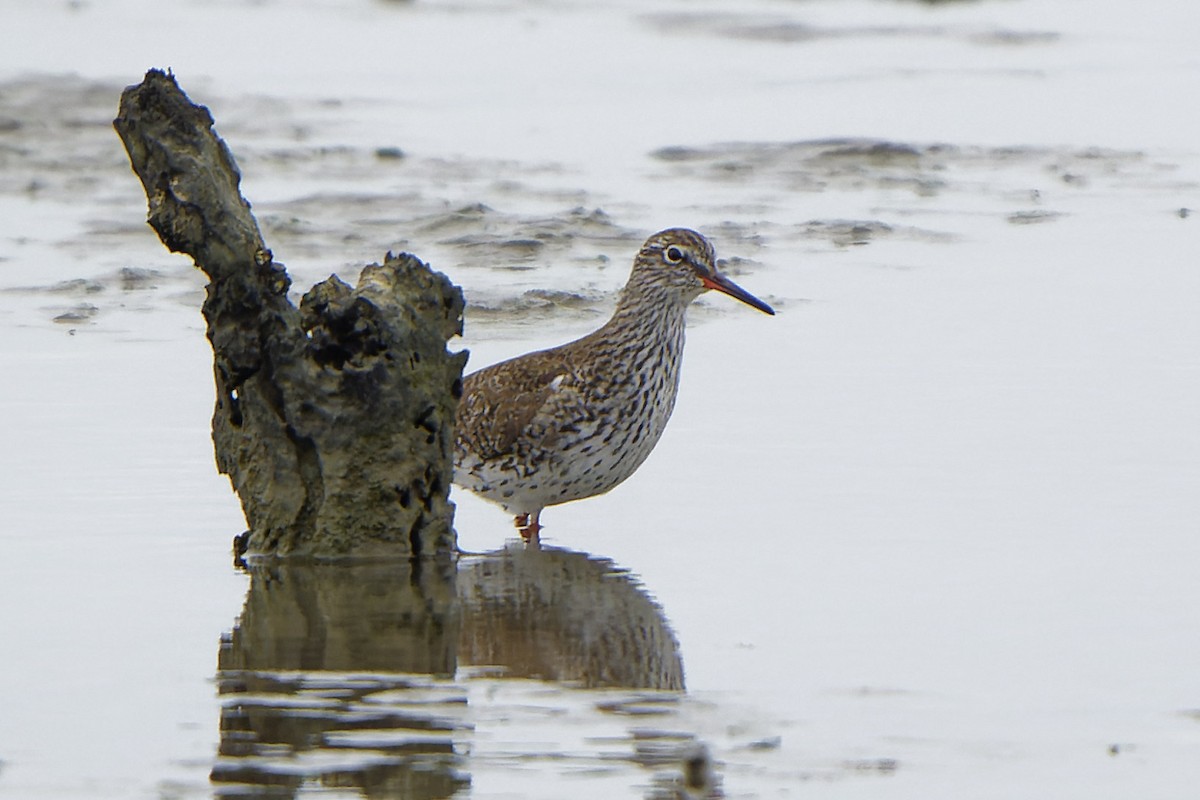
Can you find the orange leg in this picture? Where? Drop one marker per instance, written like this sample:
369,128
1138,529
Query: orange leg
528,527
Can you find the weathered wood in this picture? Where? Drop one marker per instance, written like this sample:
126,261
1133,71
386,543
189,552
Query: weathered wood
334,421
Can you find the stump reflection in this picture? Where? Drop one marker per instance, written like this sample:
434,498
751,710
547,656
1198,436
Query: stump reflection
327,681
343,676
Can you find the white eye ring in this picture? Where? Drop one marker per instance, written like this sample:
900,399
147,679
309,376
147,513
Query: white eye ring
673,254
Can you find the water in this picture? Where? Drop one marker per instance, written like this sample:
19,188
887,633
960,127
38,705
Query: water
928,532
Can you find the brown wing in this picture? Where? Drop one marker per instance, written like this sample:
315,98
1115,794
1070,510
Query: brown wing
500,401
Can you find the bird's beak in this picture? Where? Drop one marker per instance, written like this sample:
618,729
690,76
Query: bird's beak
722,284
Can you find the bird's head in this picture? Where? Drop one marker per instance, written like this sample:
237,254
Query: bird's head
683,260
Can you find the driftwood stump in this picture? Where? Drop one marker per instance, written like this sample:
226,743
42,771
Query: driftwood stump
334,421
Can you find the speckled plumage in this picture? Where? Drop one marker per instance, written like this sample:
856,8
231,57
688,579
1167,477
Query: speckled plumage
574,421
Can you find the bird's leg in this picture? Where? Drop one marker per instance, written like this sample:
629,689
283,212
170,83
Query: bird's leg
529,527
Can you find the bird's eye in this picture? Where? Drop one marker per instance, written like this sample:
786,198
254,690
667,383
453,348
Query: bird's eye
673,255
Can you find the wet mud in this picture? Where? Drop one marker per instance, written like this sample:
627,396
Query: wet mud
58,154
914,169
784,30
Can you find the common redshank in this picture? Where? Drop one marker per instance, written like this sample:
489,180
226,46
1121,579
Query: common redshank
574,421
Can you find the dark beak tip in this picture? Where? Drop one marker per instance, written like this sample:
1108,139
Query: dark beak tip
766,309
723,284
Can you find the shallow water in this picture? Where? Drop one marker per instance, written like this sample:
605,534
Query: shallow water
928,532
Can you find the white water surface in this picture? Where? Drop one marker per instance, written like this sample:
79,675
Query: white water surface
932,531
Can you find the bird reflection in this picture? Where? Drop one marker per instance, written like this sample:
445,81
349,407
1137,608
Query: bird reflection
564,616
343,675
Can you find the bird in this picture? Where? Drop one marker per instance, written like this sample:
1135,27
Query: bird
574,421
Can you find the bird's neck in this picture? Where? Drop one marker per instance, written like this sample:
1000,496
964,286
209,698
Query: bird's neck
650,314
